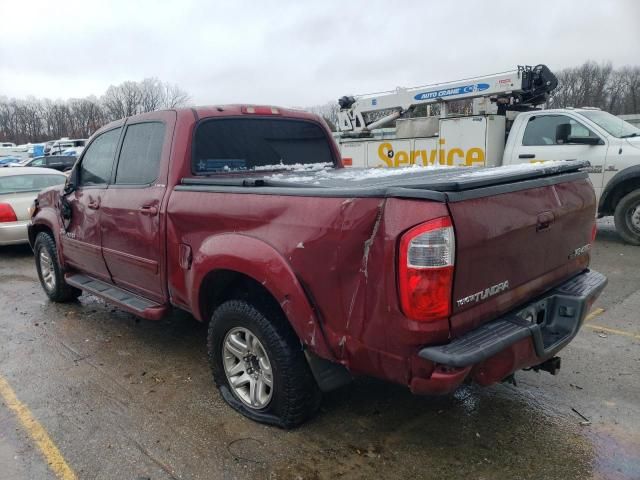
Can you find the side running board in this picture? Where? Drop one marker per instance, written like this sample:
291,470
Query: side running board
126,300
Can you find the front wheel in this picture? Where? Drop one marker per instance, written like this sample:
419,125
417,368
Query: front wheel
627,217
49,271
259,366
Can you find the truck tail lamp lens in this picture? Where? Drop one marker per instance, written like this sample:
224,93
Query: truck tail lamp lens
7,214
427,256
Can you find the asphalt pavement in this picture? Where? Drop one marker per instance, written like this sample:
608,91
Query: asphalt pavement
91,392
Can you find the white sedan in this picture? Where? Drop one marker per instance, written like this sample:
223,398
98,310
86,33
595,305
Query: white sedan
19,187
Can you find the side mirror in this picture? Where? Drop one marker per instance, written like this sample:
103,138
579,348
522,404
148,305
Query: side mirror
71,184
585,140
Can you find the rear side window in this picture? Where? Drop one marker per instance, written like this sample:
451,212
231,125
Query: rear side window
140,154
97,162
29,183
244,144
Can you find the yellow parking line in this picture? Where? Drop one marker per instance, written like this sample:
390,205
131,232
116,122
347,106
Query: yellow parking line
594,314
38,434
614,331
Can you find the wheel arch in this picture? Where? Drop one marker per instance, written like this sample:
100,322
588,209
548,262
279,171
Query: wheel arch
34,230
620,185
43,223
238,266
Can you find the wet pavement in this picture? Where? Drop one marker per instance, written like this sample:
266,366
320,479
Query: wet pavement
124,398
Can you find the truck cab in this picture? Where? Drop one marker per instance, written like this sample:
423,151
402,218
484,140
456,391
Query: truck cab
610,144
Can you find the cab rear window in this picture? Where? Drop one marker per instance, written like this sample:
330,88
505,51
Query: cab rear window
249,144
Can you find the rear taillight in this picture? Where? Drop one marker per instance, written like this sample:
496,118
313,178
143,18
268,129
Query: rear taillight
594,232
427,256
7,214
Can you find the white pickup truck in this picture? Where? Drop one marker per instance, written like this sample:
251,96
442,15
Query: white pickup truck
610,144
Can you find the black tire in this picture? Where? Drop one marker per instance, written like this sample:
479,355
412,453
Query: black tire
295,396
628,229
57,290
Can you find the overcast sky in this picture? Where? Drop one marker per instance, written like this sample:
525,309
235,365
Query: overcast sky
297,53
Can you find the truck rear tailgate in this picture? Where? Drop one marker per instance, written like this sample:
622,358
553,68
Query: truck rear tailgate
514,245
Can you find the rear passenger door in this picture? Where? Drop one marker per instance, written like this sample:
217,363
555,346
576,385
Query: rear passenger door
132,221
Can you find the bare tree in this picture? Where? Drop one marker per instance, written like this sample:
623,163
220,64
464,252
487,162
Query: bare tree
631,81
598,85
329,111
174,96
36,120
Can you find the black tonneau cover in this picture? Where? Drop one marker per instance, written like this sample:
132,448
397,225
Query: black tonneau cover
447,184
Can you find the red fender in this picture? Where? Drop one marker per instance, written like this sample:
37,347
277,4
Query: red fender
260,261
47,217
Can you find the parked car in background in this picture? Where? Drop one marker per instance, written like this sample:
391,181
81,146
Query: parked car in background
9,160
36,150
61,163
633,119
72,152
19,187
10,145
47,146
58,146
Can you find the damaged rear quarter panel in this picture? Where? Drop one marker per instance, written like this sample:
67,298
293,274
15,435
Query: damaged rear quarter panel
379,339
312,237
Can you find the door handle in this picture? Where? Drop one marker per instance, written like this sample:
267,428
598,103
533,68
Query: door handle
545,219
93,204
527,155
148,210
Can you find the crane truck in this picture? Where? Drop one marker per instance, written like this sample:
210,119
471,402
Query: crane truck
505,125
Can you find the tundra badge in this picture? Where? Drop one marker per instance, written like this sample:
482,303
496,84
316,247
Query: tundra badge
484,294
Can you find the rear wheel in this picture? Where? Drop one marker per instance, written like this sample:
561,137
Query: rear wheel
259,366
627,218
49,271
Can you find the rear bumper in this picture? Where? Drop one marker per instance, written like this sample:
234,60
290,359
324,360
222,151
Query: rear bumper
14,233
522,338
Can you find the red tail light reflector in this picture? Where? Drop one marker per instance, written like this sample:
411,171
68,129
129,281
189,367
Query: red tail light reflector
425,273
7,214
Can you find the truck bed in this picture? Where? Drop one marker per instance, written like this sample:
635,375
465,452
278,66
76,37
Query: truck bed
447,184
506,220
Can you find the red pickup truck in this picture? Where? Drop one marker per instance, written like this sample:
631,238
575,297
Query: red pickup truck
309,273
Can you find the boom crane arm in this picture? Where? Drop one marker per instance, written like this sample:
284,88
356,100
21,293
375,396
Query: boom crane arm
514,90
